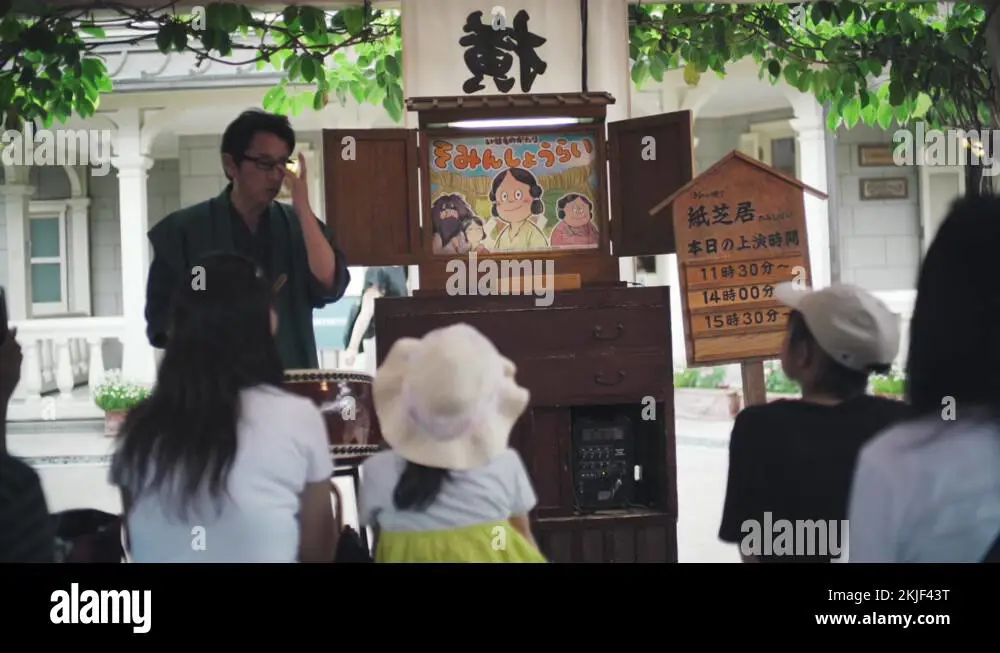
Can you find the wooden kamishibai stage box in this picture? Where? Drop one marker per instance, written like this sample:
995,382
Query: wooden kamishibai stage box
552,202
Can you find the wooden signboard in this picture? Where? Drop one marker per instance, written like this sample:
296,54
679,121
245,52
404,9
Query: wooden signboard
740,230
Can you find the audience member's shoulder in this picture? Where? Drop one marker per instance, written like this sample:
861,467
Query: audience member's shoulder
931,435
280,405
509,460
761,413
384,461
890,408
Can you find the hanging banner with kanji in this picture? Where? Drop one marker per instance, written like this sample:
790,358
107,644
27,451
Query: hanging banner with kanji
472,47
741,229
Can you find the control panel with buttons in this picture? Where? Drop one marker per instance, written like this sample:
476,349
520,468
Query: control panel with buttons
602,463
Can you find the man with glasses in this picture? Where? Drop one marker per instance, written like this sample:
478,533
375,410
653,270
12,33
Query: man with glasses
289,243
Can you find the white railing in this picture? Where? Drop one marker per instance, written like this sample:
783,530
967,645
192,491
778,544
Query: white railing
61,354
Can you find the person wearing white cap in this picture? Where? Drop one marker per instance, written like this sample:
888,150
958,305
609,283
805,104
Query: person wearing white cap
450,489
928,490
794,459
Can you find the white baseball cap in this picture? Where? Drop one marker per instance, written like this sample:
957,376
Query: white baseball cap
855,328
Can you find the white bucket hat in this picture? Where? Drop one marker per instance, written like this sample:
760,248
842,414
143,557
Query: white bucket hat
448,400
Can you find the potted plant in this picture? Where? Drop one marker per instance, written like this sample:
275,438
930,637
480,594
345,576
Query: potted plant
116,396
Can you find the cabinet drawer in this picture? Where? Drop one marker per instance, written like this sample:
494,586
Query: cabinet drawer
534,332
593,379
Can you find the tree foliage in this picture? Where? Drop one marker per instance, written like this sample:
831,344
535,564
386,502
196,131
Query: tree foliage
50,63
873,63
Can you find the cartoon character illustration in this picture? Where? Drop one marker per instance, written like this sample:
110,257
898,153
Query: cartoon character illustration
447,214
576,226
475,234
516,198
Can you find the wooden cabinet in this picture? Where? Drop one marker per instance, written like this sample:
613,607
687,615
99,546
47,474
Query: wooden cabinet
594,349
600,353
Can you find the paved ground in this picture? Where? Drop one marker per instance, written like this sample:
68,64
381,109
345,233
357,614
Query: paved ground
72,462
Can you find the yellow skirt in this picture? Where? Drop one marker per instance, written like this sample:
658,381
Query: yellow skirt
495,542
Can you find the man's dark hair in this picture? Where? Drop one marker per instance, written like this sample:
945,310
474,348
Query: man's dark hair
236,139
833,379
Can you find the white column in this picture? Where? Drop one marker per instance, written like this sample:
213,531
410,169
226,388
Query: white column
138,363
16,199
80,279
810,141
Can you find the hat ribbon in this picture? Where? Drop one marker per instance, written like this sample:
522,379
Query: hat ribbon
447,427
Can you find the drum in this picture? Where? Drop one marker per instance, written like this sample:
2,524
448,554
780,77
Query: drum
345,400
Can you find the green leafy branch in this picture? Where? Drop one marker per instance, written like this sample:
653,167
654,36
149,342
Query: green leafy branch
50,64
871,63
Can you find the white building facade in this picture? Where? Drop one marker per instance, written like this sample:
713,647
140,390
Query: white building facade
74,253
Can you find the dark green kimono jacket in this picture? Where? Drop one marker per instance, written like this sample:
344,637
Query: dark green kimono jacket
184,236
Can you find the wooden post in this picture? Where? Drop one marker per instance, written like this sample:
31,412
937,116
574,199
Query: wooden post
754,387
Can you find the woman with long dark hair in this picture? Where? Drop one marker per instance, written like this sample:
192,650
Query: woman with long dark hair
220,464
929,490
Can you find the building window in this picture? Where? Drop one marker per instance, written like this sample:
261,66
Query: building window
775,144
783,155
47,279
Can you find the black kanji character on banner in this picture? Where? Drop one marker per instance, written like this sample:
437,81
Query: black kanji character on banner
733,319
694,247
486,54
745,212
489,48
774,240
721,214
792,237
772,315
526,42
728,272
711,246
766,267
729,295
768,290
727,244
744,244
697,217
759,241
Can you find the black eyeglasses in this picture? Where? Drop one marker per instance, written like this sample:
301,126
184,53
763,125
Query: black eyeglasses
266,165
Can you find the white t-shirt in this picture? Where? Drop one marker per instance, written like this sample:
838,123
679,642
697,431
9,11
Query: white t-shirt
282,446
927,491
496,492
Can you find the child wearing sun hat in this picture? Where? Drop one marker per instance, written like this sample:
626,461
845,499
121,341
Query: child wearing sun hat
450,489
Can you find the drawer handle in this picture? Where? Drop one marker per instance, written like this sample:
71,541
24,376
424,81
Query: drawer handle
598,330
599,379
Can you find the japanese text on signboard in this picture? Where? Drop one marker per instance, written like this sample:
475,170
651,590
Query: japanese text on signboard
740,232
770,236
